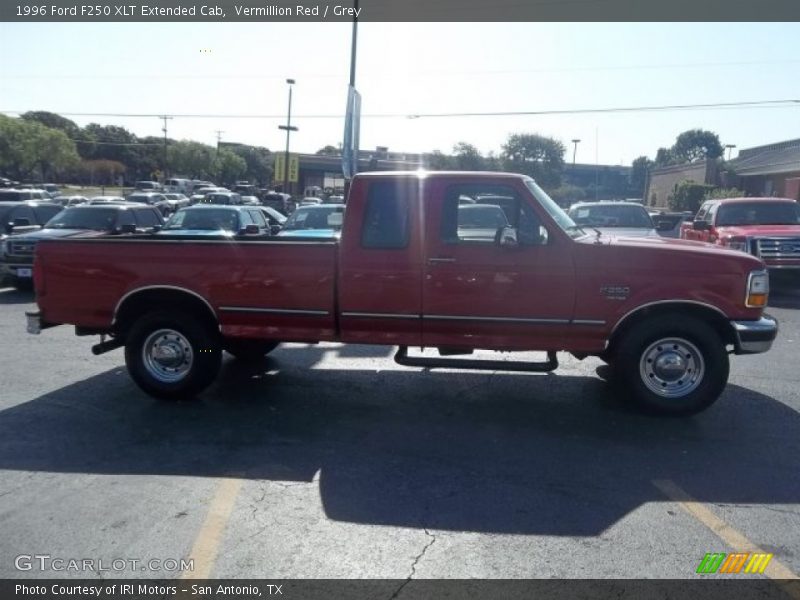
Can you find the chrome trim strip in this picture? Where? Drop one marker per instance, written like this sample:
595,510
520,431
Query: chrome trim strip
587,322
371,315
277,311
123,240
496,319
160,287
657,302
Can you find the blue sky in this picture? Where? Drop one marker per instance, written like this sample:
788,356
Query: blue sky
411,68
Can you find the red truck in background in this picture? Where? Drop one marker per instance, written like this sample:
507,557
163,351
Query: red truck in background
454,261
768,228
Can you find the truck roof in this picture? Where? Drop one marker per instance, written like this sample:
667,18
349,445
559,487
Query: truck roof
428,174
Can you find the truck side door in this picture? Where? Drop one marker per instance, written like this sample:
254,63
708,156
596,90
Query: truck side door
380,270
480,294
696,234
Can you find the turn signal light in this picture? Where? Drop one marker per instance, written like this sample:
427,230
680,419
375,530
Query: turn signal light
757,289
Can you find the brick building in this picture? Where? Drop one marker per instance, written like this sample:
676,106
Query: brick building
771,170
661,181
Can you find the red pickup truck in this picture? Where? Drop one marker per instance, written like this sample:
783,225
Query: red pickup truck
453,261
768,228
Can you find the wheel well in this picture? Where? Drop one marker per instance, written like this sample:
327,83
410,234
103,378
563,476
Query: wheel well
678,309
147,300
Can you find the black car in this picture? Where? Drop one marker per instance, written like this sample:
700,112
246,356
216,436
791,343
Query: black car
279,201
23,216
16,261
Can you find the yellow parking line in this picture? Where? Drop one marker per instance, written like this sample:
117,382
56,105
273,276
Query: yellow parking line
729,535
206,544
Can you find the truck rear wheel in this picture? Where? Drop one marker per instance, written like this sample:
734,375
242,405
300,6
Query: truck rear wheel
172,355
250,350
673,365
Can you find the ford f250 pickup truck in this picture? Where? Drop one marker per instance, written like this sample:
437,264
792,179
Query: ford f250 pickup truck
768,228
418,265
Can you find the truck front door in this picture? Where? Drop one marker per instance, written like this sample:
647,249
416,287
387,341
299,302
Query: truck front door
478,293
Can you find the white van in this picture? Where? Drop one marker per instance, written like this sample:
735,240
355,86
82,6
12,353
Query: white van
179,186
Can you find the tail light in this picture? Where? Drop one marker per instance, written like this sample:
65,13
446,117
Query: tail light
38,275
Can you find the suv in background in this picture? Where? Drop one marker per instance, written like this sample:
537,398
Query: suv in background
20,194
152,199
222,198
16,261
22,217
148,186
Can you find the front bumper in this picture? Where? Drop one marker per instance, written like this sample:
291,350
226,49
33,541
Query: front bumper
753,337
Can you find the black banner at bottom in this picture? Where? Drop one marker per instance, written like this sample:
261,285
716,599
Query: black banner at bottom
386,589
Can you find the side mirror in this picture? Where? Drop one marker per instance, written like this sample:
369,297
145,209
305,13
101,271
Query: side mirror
251,229
156,228
274,229
21,222
701,225
507,237
127,228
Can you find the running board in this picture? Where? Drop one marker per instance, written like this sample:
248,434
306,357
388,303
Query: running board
401,357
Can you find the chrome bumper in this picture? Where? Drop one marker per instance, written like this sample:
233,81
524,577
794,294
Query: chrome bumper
753,337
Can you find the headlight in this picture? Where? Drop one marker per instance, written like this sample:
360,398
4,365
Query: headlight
738,245
757,289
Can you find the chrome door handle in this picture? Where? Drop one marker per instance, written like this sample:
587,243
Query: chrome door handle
433,261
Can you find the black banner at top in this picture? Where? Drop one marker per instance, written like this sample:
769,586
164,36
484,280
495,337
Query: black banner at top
398,10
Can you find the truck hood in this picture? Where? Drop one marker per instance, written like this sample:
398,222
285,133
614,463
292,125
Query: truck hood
667,254
760,230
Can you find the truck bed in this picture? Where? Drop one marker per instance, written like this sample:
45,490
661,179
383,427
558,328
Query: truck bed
254,287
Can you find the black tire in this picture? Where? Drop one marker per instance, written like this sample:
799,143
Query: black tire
193,344
250,350
685,348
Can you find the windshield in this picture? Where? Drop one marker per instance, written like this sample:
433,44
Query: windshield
99,219
555,211
314,218
13,196
204,219
758,213
612,215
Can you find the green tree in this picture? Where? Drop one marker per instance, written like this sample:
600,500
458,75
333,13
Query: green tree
688,195
191,159
696,144
468,158
535,155
258,161
664,157
229,166
28,149
53,121
438,161
638,177
329,151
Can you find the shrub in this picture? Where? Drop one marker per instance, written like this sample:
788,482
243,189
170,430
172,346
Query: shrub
688,195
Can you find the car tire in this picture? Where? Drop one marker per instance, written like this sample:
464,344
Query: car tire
250,350
672,365
172,355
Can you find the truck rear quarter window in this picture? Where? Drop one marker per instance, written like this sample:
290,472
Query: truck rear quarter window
475,214
386,217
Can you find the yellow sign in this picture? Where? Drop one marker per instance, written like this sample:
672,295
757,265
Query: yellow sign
294,167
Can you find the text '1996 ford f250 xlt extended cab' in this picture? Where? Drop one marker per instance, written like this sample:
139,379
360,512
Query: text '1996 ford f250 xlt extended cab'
454,261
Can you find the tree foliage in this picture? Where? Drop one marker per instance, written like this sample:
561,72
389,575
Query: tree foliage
688,195
30,150
696,144
328,151
538,156
638,177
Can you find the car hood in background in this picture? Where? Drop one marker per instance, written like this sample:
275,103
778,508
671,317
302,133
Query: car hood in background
310,233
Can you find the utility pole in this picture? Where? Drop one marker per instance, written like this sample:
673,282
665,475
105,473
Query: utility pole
164,129
219,139
729,148
289,129
353,46
575,149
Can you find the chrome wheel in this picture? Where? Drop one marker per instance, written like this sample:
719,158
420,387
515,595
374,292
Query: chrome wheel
167,355
672,367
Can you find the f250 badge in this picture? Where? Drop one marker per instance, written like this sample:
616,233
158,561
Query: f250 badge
615,292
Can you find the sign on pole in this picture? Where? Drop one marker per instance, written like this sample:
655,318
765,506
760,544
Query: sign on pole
352,123
294,168
280,165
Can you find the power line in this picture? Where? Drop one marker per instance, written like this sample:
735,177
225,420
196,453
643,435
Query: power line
788,103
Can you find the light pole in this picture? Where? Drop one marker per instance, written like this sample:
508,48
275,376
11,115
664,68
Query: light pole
164,129
729,148
574,149
289,129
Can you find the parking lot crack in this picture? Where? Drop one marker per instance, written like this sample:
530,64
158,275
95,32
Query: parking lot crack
431,541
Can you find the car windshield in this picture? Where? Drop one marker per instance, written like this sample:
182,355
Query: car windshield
314,218
759,213
140,198
99,219
612,215
556,212
204,219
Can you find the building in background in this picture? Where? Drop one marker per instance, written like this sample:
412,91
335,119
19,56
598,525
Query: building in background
771,170
661,181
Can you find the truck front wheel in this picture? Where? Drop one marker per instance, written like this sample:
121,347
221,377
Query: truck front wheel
673,365
171,355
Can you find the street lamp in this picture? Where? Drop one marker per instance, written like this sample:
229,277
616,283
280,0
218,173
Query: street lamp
289,129
730,147
574,149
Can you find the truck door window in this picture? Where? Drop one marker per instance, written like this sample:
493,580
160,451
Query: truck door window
386,218
476,213
125,217
701,214
258,217
147,217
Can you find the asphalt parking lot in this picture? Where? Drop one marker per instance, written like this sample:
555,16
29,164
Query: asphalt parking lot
331,461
